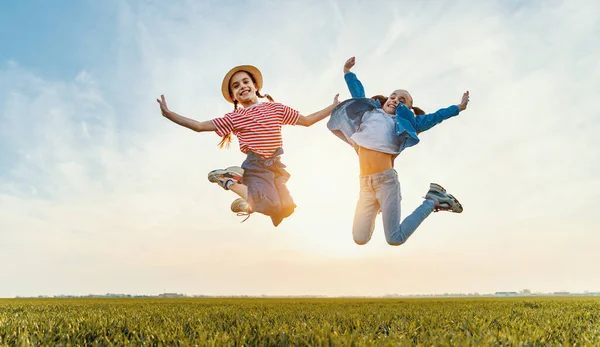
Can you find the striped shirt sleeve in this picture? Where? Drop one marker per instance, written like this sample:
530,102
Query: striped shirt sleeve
290,116
224,124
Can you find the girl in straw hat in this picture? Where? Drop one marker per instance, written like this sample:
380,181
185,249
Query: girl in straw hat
379,128
261,180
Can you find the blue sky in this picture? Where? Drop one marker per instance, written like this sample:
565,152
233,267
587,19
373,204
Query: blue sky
99,193
52,39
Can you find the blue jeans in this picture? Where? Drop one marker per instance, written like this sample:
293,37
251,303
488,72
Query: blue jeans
381,191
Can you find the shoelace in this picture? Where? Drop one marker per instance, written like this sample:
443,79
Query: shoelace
239,214
448,207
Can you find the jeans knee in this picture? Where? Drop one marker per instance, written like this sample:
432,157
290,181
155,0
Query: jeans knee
395,242
361,240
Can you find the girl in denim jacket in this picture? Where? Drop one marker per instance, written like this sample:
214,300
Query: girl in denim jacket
379,128
261,181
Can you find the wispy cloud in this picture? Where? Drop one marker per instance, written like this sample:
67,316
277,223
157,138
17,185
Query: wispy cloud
99,193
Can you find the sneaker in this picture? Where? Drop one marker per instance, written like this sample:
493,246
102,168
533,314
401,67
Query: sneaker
241,208
443,200
221,177
436,188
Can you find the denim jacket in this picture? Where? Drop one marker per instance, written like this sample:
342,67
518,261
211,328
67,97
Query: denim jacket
346,117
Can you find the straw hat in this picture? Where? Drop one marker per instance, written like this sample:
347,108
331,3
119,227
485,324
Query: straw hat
248,68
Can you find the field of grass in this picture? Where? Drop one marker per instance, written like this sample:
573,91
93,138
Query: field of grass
530,321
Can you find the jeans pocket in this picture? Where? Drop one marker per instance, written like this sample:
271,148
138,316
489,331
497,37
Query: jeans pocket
390,182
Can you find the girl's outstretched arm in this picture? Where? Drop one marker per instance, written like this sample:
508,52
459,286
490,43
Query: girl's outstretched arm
427,121
184,121
319,115
356,88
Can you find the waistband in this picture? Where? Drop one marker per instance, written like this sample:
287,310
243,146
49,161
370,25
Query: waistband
273,159
380,176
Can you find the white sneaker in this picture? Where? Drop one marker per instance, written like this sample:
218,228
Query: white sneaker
221,177
443,200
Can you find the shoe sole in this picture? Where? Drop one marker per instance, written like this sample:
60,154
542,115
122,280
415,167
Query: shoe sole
450,208
214,175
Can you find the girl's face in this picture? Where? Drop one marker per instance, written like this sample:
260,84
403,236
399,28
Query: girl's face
399,96
242,88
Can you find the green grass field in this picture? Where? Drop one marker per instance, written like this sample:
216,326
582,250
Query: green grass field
533,321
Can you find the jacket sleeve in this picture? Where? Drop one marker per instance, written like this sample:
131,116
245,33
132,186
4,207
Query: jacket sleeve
427,121
354,85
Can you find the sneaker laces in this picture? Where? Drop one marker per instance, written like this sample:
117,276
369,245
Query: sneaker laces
241,214
438,208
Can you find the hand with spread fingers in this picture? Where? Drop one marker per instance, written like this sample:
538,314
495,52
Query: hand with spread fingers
464,101
164,109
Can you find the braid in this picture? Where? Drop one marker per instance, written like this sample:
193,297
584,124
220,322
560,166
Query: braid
265,96
226,140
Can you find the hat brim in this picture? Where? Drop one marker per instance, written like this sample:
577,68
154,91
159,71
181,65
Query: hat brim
248,68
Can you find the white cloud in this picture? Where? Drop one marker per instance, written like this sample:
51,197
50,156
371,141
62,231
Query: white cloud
99,193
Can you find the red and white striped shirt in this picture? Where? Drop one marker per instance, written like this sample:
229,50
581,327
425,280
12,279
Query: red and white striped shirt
258,128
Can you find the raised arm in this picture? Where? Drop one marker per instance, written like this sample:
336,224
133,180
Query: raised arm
184,121
319,115
356,88
428,121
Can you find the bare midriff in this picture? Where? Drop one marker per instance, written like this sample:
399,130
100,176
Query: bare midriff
372,162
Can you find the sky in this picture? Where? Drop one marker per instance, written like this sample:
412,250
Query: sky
101,194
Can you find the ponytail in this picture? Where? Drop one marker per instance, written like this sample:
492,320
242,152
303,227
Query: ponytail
418,111
265,96
226,140
382,99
